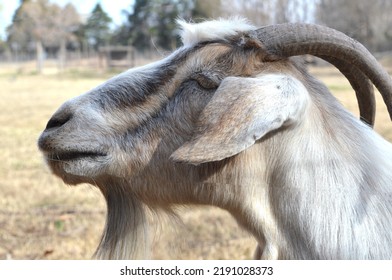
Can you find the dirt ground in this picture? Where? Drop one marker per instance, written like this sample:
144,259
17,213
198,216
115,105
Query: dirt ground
42,218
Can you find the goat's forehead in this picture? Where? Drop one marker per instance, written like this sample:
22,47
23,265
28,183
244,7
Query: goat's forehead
212,30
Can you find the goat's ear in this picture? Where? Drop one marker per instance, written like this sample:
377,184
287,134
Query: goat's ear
241,112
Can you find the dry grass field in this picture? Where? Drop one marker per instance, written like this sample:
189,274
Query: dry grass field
41,218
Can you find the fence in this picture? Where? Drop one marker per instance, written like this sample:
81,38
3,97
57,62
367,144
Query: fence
105,58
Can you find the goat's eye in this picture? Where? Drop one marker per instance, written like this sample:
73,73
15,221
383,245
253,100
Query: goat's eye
204,81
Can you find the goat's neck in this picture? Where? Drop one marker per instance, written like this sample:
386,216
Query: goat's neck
328,184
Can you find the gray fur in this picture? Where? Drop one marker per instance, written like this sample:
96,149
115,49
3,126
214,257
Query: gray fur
269,144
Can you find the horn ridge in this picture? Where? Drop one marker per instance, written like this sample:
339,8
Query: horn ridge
293,39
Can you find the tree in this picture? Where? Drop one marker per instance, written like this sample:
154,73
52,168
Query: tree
206,9
33,22
97,29
292,10
154,22
163,17
67,25
367,21
259,12
19,33
262,12
139,32
121,36
42,24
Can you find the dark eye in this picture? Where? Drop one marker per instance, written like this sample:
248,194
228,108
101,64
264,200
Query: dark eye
205,81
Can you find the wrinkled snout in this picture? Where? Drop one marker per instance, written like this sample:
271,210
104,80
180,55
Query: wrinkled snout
54,127
95,134
73,143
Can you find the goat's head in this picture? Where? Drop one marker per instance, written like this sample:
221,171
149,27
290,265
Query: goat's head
151,134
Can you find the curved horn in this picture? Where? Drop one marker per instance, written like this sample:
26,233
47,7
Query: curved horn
284,40
362,86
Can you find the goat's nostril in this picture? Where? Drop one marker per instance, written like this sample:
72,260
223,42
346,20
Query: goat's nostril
56,121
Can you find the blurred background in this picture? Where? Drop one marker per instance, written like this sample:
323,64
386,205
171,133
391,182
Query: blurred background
72,32
53,50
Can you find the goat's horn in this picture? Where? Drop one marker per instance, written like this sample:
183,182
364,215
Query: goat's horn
292,39
362,86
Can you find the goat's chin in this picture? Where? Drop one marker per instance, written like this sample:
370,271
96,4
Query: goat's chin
75,180
77,171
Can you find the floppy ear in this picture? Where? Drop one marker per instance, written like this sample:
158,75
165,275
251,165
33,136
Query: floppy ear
242,111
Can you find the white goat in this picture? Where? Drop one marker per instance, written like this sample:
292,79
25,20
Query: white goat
230,120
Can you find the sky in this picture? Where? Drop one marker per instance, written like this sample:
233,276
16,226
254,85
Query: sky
84,7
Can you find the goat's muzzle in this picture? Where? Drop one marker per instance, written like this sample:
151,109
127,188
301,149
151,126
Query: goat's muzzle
71,149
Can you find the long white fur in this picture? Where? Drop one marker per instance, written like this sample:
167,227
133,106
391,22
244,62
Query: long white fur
212,30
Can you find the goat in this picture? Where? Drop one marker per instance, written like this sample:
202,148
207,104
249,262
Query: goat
232,119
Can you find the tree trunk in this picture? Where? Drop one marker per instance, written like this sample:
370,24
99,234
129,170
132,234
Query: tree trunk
40,56
62,55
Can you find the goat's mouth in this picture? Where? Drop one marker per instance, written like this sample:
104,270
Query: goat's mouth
75,167
68,156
